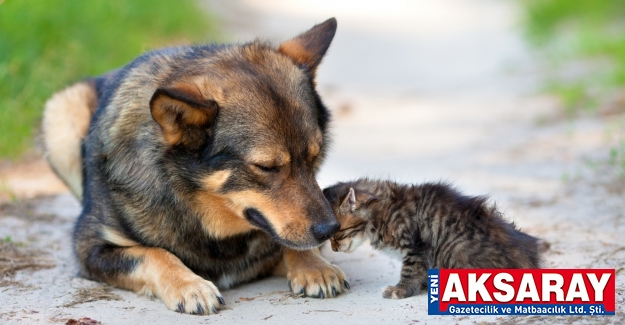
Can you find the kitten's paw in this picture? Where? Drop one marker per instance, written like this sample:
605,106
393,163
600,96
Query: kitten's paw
193,295
397,292
318,279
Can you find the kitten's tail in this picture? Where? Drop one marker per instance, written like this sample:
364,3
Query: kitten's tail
543,245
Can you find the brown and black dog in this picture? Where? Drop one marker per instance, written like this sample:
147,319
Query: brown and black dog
196,169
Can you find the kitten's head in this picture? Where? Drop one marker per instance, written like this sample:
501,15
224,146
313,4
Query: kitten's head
350,207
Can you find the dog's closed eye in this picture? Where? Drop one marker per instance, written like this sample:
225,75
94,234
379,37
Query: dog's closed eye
266,168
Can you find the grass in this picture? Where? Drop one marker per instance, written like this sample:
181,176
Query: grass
46,45
587,34
6,192
617,156
573,95
15,257
85,295
589,31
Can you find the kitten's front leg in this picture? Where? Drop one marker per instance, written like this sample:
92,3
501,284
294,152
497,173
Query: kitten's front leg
413,279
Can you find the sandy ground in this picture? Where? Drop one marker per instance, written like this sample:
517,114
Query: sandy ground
421,91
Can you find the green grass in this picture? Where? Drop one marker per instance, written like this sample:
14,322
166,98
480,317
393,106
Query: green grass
46,45
582,31
617,156
573,95
590,30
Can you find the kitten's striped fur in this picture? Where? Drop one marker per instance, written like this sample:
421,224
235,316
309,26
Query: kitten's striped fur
432,225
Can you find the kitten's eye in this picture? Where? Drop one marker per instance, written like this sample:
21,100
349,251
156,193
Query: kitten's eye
267,169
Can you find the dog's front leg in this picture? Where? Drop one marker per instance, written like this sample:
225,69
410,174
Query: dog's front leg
311,275
154,271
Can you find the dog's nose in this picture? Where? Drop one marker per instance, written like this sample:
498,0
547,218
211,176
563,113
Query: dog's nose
323,231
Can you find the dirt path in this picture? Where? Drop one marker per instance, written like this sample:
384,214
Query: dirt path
420,91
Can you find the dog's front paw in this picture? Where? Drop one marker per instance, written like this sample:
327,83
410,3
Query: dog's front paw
192,295
318,279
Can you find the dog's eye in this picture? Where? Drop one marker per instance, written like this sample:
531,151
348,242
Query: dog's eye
267,169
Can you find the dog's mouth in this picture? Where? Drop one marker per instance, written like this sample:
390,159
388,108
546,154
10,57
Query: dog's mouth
257,219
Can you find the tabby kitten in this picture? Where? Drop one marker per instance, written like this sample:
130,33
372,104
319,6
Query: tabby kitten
431,225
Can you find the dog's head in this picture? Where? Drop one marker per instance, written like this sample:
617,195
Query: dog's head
244,128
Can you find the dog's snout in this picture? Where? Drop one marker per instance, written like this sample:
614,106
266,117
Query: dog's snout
323,231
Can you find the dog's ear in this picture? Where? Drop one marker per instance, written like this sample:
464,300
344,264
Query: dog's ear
308,49
182,111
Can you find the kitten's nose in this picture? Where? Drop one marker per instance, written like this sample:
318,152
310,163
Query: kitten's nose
323,231
335,245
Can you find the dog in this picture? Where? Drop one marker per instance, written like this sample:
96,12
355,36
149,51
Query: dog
196,169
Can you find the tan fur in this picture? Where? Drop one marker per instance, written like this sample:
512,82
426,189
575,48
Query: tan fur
215,181
269,157
283,215
314,148
309,273
313,151
65,123
162,274
218,217
173,115
299,48
207,87
114,237
280,269
219,220
296,51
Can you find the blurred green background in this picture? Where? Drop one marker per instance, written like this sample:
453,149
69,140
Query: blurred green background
46,45
587,37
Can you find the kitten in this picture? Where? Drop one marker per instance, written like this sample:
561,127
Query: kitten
431,225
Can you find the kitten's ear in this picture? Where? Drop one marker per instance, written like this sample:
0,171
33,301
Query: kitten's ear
356,200
349,202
